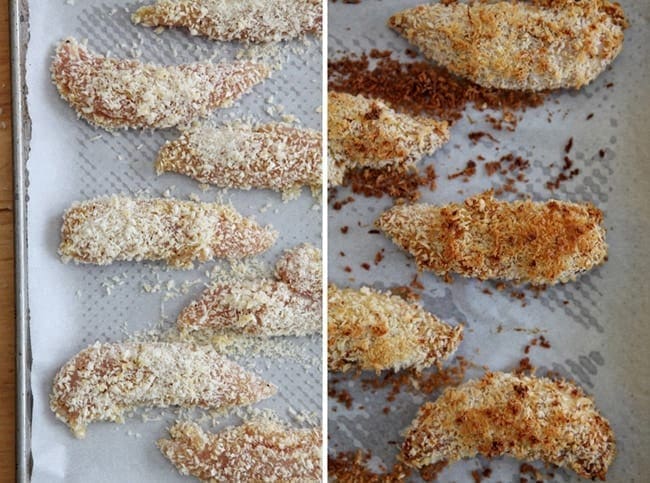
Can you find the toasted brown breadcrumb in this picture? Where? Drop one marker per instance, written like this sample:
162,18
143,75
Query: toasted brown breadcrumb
367,133
248,20
523,241
114,93
301,268
275,156
104,230
505,414
370,330
258,450
105,381
518,45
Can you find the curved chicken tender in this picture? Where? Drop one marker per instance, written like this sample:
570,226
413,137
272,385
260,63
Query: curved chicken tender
506,414
518,45
104,230
104,381
367,133
301,268
370,330
524,241
258,450
247,20
275,156
114,93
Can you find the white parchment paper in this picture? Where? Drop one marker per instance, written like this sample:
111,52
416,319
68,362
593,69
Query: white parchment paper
598,327
70,306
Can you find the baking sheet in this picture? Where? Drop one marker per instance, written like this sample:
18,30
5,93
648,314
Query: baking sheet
70,306
598,327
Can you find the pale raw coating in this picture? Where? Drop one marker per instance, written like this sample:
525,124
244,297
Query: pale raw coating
258,450
522,241
518,45
371,330
506,414
105,230
263,307
254,21
105,381
115,93
275,156
362,132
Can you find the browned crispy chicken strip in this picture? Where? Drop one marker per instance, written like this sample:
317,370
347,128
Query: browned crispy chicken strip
105,381
371,330
505,414
518,45
248,20
258,450
523,241
105,230
275,156
288,306
367,133
115,93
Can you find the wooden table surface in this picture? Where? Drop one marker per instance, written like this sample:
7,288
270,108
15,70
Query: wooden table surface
7,319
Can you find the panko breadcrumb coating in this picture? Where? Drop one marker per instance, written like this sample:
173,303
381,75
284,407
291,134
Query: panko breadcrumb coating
518,45
248,20
105,381
371,330
115,93
274,156
522,241
301,267
367,133
506,414
105,230
258,450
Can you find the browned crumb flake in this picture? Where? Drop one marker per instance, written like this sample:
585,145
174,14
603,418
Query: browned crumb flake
352,467
104,381
396,182
484,238
114,93
105,230
258,450
248,20
525,417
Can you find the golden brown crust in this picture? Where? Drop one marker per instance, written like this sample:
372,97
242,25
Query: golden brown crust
518,45
367,133
258,450
523,241
506,414
371,330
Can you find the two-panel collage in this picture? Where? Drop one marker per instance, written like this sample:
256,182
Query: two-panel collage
333,240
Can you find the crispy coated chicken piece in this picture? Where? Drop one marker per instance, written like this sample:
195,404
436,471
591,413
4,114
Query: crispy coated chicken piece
290,305
367,133
258,450
248,20
523,241
371,330
105,230
518,45
505,414
114,93
275,156
105,381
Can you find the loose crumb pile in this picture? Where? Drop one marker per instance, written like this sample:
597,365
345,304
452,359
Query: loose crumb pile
395,182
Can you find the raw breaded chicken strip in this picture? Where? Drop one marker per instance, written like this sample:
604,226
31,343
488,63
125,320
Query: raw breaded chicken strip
258,450
367,133
371,330
247,20
275,156
290,305
105,381
523,241
105,230
518,45
114,93
505,414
